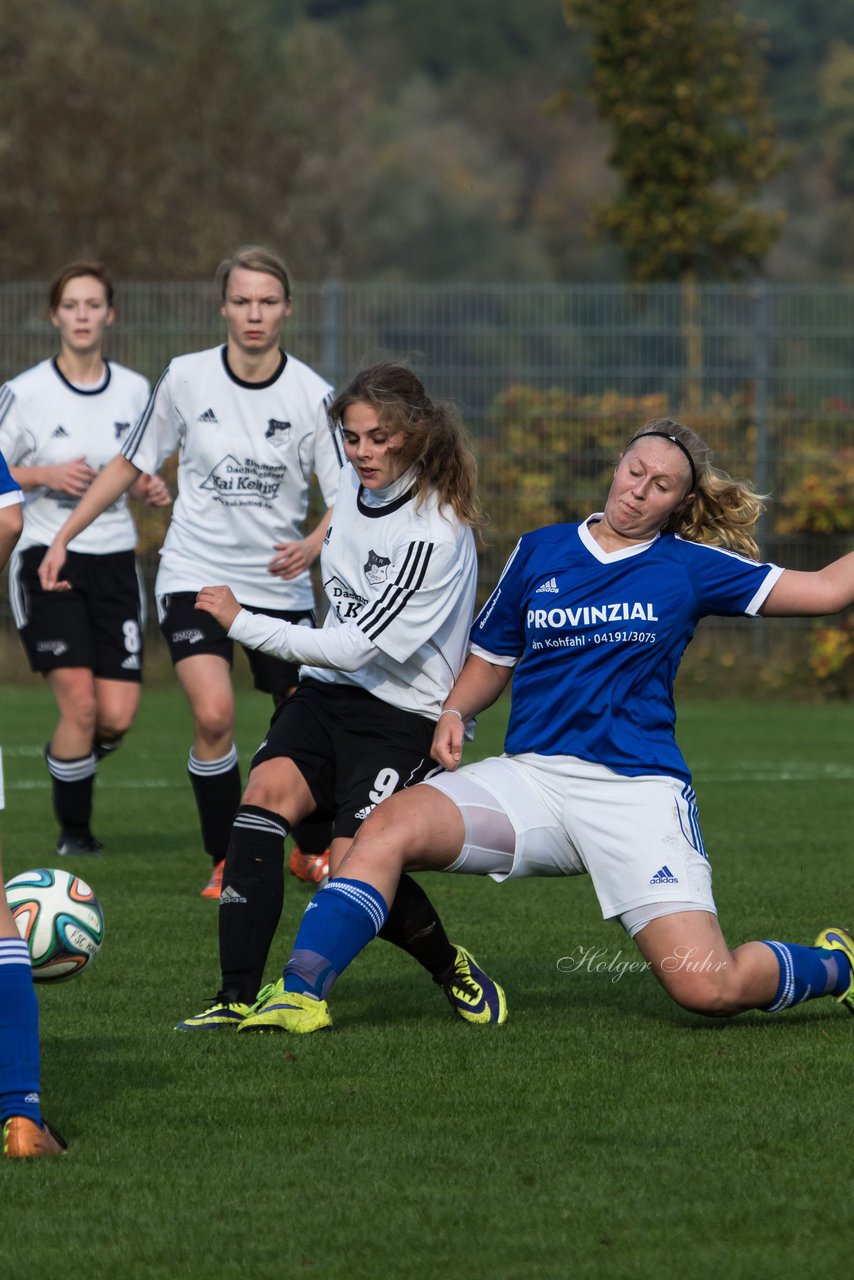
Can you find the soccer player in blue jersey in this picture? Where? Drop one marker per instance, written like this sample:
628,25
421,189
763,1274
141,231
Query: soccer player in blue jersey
24,1131
590,621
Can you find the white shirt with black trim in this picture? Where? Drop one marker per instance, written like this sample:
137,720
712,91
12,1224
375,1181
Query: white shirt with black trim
246,455
46,420
400,580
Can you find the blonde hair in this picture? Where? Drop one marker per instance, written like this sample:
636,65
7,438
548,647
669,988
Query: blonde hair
435,440
723,511
253,257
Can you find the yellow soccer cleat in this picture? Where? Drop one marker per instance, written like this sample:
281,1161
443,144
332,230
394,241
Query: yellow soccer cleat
472,993
280,1010
836,939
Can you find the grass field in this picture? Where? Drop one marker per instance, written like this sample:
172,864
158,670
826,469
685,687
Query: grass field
601,1133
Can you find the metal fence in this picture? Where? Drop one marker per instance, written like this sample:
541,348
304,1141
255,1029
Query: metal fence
551,378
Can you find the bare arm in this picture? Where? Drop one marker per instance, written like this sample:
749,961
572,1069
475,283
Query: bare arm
295,557
478,685
11,524
116,478
807,595
72,477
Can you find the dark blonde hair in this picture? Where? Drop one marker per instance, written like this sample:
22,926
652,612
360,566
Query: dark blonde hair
253,257
72,272
723,511
435,441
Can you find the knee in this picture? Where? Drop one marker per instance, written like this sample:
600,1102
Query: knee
82,711
214,719
709,993
113,725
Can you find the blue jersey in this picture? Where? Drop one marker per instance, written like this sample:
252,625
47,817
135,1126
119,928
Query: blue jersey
10,490
597,638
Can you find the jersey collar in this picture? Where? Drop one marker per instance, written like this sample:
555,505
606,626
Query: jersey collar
253,386
609,557
83,391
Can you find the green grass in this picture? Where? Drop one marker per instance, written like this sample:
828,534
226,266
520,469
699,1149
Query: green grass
602,1132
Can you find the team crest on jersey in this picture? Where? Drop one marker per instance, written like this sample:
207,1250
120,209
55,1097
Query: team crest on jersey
120,428
278,432
376,569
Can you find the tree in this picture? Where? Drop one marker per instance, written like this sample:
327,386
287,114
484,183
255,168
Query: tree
680,85
679,82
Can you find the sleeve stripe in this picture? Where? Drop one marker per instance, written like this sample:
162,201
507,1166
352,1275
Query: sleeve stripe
7,399
134,438
487,608
394,599
334,431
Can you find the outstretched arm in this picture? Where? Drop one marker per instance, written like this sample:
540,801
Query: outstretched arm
117,477
807,595
478,685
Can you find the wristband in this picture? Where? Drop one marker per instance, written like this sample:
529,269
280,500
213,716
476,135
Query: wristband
452,711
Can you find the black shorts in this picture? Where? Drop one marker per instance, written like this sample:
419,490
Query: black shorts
352,749
188,630
97,624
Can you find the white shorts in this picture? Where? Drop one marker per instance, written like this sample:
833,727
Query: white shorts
532,815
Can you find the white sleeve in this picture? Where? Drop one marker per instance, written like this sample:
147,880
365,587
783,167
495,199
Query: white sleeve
16,444
154,436
346,648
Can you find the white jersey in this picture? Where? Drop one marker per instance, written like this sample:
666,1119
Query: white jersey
246,454
406,575
46,420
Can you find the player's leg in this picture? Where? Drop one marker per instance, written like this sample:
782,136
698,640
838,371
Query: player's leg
309,857
417,829
201,653
55,632
70,759
250,906
690,957
115,598
24,1130
213,768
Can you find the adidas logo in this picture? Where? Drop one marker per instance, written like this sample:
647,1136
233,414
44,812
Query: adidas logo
664,876
230,895
58,432
363,813
207,416
131,662
550,588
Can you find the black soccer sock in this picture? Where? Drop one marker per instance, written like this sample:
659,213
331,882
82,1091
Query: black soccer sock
72,782
413,924
313,836
216,786
253,889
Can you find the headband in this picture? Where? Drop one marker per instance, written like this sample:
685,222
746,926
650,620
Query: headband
673,440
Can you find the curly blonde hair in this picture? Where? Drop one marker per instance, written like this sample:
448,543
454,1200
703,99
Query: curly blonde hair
724,511
435,440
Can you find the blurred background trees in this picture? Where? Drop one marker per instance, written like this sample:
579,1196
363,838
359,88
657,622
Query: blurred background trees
373,139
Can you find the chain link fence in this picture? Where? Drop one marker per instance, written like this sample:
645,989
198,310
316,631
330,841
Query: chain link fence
552,379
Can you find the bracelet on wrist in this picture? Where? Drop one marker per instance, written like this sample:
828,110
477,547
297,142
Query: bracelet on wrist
453,711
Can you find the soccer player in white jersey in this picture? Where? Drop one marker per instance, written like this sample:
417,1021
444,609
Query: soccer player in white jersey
60,423
590,621
25,1133
250,427
399,570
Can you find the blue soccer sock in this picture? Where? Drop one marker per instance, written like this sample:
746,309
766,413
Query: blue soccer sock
19,1033
338,923
807,973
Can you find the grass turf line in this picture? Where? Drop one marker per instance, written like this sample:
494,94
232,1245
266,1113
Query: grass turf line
601,1132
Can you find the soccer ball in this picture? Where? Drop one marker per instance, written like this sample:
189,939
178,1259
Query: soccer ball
59,918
